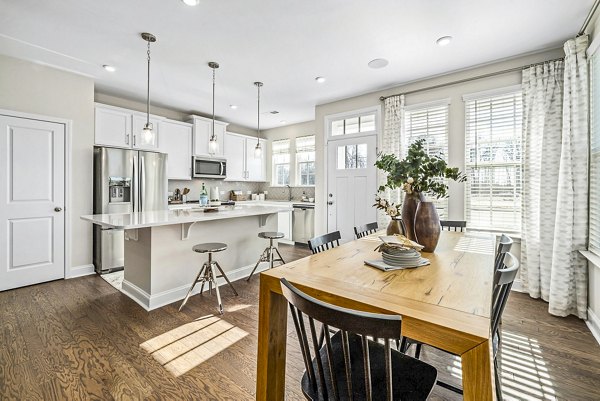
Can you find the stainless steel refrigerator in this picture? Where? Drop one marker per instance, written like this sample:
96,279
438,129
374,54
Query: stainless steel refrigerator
125,181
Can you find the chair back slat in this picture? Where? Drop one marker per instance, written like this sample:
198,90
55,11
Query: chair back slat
329,348
388,368
503,281
324,242
366,229
504,246
347,363
453,225
304,348
313,334
367,367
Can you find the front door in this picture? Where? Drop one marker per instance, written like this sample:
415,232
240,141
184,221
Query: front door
352,184
32,222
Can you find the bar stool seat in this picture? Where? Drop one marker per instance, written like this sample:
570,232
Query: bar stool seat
268,254
207,272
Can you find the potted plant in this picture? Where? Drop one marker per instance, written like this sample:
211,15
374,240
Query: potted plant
419,174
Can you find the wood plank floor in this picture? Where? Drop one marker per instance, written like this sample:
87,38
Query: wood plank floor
80,339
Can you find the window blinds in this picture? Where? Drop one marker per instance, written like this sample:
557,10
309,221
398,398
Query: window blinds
281,146
594,244
429,122
305,144
493,161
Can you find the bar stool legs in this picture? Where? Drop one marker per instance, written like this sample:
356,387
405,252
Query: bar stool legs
268,256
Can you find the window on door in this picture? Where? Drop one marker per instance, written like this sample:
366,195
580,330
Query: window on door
354,125
352,156
429,122
305,160
281,162
493,161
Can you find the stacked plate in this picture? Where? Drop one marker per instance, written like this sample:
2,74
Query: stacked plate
402,257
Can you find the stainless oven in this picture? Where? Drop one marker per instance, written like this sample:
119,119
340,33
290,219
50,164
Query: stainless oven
209,167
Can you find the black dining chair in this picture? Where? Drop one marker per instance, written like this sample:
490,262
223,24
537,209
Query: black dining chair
350,365
503,280
504,245
366,229
324,242
453,225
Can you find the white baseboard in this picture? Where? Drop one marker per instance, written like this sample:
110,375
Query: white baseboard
155,301
78,271
593,322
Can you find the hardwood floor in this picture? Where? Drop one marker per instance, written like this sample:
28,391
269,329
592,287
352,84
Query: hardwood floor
80,339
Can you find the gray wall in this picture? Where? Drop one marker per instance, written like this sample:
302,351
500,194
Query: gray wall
37,89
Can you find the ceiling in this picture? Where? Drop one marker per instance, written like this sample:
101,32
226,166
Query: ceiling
284,43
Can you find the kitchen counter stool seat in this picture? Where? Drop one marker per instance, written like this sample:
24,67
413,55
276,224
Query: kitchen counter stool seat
207,272
268,254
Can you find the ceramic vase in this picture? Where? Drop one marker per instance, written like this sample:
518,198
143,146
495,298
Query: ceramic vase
409,211
396,226
427,226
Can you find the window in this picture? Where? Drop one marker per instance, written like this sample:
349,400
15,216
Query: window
493,161
352,156
429,122
353,125
281,162
305,160
594,244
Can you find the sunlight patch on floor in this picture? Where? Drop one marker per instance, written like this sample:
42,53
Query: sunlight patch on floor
187,346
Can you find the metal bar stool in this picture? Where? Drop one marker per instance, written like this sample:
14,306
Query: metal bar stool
269,252
207,272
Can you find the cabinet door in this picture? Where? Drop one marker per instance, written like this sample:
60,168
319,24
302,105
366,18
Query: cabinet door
284,224
112,127
202,129
143,141
176,141
234,148
220,134
255,168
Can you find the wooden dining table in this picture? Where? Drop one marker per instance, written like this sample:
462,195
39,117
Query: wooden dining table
445,304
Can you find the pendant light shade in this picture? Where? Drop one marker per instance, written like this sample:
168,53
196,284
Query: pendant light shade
258,148
148,130
213,144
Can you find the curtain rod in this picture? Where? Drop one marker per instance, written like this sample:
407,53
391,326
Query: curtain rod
588,19
460,81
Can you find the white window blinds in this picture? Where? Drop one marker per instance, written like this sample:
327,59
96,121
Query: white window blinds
594,244
305,144
493,161
429,122
281,146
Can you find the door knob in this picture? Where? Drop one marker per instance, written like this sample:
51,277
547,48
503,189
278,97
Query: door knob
330,203
57,209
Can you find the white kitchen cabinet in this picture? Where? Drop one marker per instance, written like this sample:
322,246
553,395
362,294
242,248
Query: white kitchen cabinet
203,133
141,140
284,225
241,164
112,126
176,141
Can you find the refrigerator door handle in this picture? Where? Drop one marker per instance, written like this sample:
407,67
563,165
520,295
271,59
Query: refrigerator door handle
142,181
136,185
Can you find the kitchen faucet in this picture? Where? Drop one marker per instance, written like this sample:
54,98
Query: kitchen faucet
290,193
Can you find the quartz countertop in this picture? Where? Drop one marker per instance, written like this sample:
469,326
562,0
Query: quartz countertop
129,221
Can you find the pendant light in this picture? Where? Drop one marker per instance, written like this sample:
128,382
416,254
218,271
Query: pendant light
258,148
147,131
213,145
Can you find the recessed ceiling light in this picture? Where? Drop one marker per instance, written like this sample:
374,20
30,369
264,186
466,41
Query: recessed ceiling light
282,122
109,68
233,106
191,2
444,40
320,79
378,63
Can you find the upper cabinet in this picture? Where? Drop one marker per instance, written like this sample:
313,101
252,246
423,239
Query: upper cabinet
176,141
255,167
241,163
115,126
203,133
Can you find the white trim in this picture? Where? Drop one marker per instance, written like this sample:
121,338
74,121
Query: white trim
67,182
348,114
491,92
161,299
592,257
78,271
427,105
593,323
593,47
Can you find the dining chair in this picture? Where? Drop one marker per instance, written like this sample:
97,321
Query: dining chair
453,224
350,365
324,242
366,229
504,246
503,280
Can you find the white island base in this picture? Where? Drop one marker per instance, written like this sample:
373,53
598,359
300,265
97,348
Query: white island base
160,265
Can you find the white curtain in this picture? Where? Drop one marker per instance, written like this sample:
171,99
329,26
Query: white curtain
390,143
555,183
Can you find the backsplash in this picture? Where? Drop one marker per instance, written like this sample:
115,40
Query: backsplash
274,193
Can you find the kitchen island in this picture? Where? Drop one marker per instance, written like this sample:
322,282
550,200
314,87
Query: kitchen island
160,265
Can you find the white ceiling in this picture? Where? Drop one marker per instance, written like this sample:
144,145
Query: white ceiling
284,43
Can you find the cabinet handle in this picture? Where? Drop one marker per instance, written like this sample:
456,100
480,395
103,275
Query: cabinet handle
133,139
127,139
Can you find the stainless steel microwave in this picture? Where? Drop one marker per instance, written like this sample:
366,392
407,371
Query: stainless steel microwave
209,167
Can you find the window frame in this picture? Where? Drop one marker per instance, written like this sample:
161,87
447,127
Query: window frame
593,245
298,163
274,165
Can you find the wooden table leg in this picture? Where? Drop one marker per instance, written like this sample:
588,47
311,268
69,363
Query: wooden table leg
272,336
477,373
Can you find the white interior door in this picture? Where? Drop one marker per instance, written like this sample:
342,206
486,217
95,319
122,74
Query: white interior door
32,222
352,184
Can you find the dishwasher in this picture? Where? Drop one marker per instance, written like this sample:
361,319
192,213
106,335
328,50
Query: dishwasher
303,223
